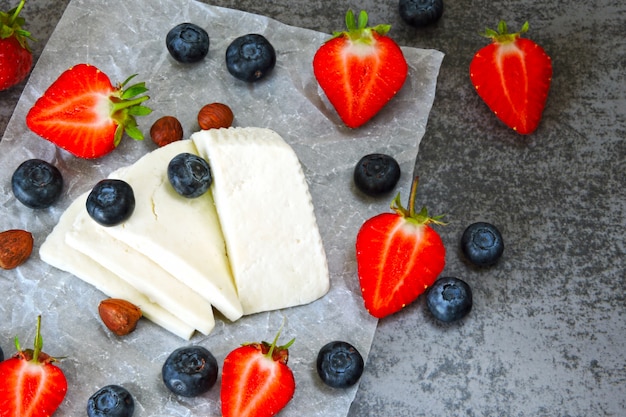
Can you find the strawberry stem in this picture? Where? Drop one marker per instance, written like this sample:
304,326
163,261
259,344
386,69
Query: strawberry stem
11,25
413,195
270,353
357,29
502,35
16,12
118,104
123,109
420,218
38,344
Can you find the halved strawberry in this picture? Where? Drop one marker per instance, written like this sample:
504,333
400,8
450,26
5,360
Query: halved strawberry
31,385
513,75
398,256
256,381
83,113
360,70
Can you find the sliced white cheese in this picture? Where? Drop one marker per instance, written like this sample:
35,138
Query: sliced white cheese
57,253
267,218
147,277
181,235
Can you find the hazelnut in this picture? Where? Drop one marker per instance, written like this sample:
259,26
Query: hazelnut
215,116
166,130
15,248
119,316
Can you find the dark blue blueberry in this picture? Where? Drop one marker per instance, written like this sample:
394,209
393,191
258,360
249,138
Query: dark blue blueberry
250,57
419,13
189,174
37,184
190,371
187,43
482,244
376,174
339,364
111,401
449,299
1,355
111,202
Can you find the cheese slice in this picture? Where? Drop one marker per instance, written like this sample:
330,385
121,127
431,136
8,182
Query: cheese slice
181,235
267,218
148,278
57,253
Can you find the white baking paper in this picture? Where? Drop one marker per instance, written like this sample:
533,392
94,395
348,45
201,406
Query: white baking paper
127,37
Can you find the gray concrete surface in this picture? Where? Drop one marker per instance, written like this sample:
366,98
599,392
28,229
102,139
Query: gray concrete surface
547,333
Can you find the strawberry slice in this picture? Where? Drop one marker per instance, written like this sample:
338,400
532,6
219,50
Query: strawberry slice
398,256
32,386
256,381
83,113
360,70
512,75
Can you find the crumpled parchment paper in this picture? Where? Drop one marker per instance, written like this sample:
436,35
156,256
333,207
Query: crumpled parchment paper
127,37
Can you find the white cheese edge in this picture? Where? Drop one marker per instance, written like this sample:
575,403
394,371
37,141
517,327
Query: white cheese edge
87,237
55,252
273,242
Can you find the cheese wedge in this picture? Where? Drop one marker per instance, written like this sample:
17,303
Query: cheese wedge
266,216
89,238
57,253
181,235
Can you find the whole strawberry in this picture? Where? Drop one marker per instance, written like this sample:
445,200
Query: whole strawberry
83,113
398,257
256,381
16,58
30,384
360,70
512,75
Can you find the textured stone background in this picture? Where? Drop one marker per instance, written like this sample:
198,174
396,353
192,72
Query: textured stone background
547,332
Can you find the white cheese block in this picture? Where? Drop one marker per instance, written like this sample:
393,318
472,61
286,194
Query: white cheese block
267,218
137,270
57,253
181,235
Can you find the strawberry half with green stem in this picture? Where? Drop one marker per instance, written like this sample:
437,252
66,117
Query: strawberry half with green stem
256,381
32,386
398,256
512,75
16,58
360,69
83,113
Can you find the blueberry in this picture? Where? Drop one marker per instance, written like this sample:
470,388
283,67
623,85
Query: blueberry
111,202
339,364
189,174
482,244
1,355
187,43
250,57
111,401
376,174
37,184
420,13
190,371
449,299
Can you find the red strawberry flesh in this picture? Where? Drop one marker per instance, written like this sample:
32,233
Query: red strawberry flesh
256,381
30,389
513,75
83,113
360,70
32,386
398,257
